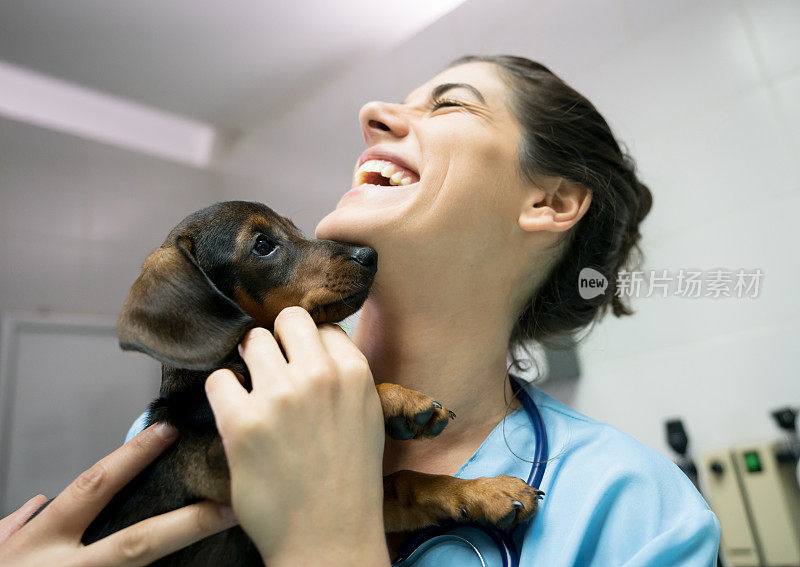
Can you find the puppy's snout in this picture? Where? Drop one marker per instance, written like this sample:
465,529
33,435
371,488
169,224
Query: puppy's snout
366,256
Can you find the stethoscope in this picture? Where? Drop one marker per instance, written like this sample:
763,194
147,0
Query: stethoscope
421,542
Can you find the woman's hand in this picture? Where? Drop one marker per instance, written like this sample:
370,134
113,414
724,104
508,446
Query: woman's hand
305,446
54,536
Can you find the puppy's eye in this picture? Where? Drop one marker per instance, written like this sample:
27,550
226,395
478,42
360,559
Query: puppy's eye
264,246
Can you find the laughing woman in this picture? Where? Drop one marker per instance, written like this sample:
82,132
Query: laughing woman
510,182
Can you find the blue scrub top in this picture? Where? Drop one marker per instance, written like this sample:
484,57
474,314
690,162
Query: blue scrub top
610,500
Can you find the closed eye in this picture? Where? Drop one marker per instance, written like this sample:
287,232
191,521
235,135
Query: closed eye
444,102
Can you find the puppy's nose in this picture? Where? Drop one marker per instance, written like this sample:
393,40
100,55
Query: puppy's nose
365,256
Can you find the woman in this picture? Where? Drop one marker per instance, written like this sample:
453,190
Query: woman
520,185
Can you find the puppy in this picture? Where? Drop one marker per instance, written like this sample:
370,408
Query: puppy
222,271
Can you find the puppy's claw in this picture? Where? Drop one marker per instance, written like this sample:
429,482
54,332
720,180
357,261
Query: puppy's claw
464,513
517,504
452,414
437,405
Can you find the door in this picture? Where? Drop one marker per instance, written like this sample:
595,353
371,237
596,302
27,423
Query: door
69,395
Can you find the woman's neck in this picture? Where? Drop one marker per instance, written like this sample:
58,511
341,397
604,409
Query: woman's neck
458,358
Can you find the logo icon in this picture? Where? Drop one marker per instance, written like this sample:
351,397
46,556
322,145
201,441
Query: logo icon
591,283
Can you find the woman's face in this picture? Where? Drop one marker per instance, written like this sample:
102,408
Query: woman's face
454,143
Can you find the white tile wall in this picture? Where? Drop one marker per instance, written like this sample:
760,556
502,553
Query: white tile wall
37,196
762,238
787,91
643,17
687,66
78,218
721,387
710,163
775,25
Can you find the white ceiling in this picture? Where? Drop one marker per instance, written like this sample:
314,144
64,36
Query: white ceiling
225,63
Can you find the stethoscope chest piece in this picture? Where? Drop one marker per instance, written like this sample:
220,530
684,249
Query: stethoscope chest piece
465,546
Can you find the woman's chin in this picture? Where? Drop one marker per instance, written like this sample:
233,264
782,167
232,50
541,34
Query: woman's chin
363,213
346,225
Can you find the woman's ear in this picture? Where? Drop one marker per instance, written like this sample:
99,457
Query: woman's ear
554,205
176,314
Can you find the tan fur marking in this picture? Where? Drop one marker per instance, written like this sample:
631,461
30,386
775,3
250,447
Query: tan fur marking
317,280
205,468
161,256
249,228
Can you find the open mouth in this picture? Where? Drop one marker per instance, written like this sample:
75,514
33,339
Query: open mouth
384,173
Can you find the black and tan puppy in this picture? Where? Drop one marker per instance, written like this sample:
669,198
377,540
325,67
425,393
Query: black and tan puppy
223,270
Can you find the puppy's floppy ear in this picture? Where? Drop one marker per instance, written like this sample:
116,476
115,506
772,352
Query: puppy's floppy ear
176,314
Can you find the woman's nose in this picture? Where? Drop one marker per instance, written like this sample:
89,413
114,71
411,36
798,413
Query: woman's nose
381,120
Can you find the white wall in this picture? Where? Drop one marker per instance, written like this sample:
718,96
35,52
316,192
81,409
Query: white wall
705,96
78,218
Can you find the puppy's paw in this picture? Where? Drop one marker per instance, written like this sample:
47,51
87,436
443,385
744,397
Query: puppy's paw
415,500
411,415
502,501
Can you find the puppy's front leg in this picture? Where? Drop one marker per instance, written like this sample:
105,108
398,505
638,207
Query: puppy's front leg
414,500
409,414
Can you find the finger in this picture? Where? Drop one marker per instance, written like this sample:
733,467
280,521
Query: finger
299,336
226,395
350,362
337,343
264,359
151,539
12,523
80,502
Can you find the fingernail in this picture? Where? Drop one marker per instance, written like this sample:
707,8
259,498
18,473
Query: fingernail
166,431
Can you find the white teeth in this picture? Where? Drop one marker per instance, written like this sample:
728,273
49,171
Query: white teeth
372,166
393,172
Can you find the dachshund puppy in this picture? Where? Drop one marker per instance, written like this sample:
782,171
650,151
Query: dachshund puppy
222,271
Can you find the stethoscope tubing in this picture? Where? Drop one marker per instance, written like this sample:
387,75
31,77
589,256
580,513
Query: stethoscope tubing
424,539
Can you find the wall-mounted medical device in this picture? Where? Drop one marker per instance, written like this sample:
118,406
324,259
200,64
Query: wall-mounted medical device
753,489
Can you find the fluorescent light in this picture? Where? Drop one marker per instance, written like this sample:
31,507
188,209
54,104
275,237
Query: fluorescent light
38,99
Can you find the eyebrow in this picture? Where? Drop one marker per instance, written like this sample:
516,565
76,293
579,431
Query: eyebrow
439,90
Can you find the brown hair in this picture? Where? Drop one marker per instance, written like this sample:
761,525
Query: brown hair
564,135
